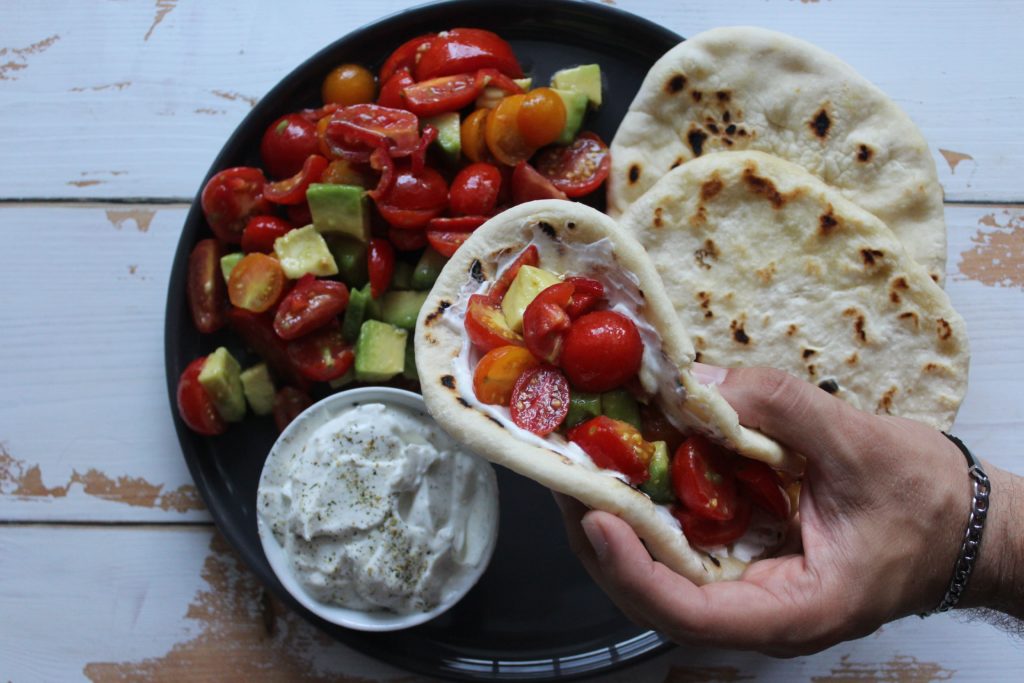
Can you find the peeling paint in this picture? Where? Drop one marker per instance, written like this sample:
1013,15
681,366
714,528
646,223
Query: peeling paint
98,88
705,674
209,110
899,669
997,257
84,183
234,97
954,158
163,8
142,217
132,269
20,56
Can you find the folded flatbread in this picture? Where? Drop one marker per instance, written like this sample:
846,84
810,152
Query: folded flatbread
575,239
766,265
749,88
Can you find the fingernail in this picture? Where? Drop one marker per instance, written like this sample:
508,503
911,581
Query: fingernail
708,374
596,537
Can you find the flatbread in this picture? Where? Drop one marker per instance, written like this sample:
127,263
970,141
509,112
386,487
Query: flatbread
766,265
573,238
749,88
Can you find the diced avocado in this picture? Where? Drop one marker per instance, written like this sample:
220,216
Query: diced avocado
529,282
427,269
585,78
619,404
583,406
355,313
221,377
449,137
304,251
409,371
380,351
259,389
228,263
492,95
350,255
339,208
575,108
524,83
344,380
402,308
402,277
658,486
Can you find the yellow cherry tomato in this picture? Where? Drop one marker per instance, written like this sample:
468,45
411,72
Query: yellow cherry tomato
349,84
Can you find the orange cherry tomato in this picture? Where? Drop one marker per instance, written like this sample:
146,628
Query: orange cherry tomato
541,117
342,172
349,84
497,372
256,283
502,133
473,136
322,145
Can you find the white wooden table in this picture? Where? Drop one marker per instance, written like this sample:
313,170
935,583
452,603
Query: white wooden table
110,114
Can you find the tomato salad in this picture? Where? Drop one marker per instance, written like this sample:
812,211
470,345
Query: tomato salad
321,258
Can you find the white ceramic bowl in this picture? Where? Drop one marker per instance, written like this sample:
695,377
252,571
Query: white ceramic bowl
361,620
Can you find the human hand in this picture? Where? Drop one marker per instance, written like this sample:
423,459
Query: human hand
881,519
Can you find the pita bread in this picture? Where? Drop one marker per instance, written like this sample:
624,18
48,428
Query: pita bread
749,88
767,265
575,239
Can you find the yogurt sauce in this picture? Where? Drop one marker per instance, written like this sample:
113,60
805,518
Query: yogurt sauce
376,508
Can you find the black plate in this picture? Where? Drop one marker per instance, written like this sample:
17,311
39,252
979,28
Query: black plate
535,614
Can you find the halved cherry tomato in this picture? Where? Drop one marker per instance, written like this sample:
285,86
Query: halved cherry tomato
286,145
414,199
763,485
261,232
486,325
311,304
502,133
529,257
473,136
655,427
540,400
348,84
391,91
230,198
446,242
466,49
545,322
702,479
602,351
288,403
381,161
587,296
440,95
496,373
614,445
256,282
465,224
257,331
406,55
709,533
355,131
381,262
475,189
293,190
207,298
578,169
541,117
195,405
528,184
407,240
322,355
419,157
496,79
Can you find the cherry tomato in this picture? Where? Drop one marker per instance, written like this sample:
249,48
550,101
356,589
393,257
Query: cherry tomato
702,479
381,161
465,224
502,133
256,282
194,405
261,232
414,199
466,49
529,257
207,298
348,84
257,331
286,145
578,169
391,91
407,240
496,79
486,325
656,427
342,172
293,190
475,189
406,55
601,351
441,95
311,304
473,136
230,198
496,373
614,445
587,295
288,403
540,400
381,258
541,117
298,215
322,355
528,184
355,131
763,485
446,242
545,322
709,533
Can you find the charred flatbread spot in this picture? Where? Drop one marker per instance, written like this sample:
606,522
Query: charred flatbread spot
910,315
935,278
852,360
676,163
696,139
675,84
808,353
448,381
723,95
885,403
828,222
727,142
812,370
901,283
699,342
731,128
714,560
726,118
696,95
791,330
742,132
697,356
864,153
436,313
738,333
658,222
571,225
871,256
634,173
943,328
495,420
476,270
859,323
821,123
894,297
548,229
713,128
829,385
711,188
709,251
763,187
766,274
699,218
464,402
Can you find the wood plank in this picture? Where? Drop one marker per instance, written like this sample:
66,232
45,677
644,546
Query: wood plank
168,81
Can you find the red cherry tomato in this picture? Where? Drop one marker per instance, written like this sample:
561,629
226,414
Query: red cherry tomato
614,445
257,331
465,224
207,296
588,295
601,351
528,184
288,403
381,260
529,257
414,198
406,55
261,232
298,214
441,95
354,132
545,322
466,49
391,91
578,169
475,189
322,355
540,400
230,198
763,485
311,304
381,161
194,405
407,240
446,242
702,479
286,145
708,533
293,190
486,325
656,427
